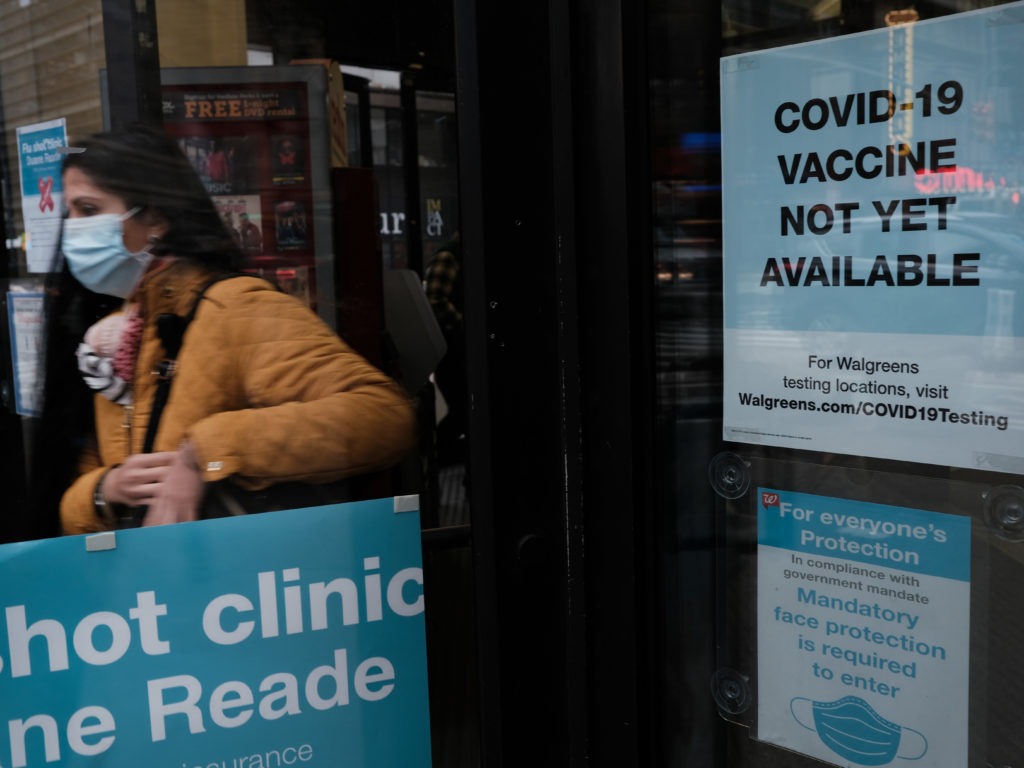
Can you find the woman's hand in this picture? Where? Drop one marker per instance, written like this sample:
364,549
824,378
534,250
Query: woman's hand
180,493
138,481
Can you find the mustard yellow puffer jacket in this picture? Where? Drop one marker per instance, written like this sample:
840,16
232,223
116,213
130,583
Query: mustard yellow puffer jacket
264,390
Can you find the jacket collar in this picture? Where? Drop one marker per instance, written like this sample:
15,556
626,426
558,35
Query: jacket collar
173,287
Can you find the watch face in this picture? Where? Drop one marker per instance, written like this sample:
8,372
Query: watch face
99,503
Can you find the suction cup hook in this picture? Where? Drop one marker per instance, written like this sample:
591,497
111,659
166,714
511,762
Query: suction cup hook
728,475
731,691
1004,511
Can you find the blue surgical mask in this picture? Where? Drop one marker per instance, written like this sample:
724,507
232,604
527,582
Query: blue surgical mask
97,257
852,729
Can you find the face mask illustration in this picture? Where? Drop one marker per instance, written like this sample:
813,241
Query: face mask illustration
854,731
97,257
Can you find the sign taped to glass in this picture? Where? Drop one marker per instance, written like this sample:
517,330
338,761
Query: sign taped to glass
872,232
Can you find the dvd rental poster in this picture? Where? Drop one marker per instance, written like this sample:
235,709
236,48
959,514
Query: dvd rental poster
258,140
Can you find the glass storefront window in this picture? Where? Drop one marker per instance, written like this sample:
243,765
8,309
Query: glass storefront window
437,172
803,645
50,57
254,94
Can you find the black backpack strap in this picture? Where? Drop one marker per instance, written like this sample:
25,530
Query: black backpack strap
171,330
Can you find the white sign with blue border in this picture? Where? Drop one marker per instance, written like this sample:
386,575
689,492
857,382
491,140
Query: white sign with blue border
873,226
863,630
25,319
285,639
39,159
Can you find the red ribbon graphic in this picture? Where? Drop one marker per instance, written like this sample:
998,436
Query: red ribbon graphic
46,193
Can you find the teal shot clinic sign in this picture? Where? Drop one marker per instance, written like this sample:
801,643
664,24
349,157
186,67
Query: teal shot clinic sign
863,624
873,224
285,639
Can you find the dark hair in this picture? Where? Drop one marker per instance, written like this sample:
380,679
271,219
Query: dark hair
147,169
62,431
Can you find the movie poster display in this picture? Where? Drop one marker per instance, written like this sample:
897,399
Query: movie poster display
259,139
873,226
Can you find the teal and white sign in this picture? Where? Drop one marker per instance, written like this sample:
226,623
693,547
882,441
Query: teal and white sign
863,630
39,160
873,226
25,319
284,639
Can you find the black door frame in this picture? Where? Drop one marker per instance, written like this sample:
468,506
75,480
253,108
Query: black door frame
555,221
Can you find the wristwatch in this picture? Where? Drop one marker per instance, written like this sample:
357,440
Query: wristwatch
99,502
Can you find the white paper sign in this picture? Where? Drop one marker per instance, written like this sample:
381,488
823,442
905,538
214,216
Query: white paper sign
39,158
873,226
25,313
863,630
